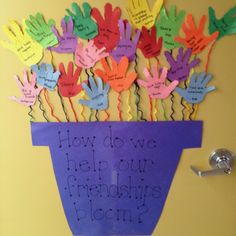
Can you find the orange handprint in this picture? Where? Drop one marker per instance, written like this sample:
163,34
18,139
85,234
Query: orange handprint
195,38
117,75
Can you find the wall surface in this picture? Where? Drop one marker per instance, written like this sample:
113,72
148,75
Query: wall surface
29,199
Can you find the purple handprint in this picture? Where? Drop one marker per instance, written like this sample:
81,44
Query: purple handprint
67,42
126,46
180,69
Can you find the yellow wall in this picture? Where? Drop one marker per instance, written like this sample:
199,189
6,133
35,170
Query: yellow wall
29,201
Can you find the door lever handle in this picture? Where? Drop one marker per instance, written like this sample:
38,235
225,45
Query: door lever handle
221,161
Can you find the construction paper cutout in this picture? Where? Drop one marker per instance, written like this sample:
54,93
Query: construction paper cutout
108,30
148,43
68,41
28,89
195,38
225,25
114,177
67,82
155,83
117,75
46,76
168,27
197,90
140,13
97,94
87,57
126,46
84,26
28,51
181,67
40,31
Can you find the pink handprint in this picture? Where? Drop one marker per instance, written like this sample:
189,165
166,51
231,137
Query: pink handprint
28,89
86,57
155,84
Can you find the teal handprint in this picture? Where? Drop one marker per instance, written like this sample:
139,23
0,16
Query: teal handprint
97,94
226,25
168,27
197,90
41,31
46,76
84,26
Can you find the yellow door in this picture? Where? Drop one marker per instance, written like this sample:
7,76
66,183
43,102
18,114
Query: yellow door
29,201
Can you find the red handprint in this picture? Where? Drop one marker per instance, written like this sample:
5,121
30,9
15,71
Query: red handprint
148,43
108,29
67,82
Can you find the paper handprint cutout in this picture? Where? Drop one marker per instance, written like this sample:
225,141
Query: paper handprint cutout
28,51
155,83
148,43
46,76
97,94
181,67
84,26
28,89
108,30
68,41
68,82
117,75
126,46
140,13
195,38
40,31
197,90
225,25
168,27
86,57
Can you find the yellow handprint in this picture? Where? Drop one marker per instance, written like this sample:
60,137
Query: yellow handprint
28,51
140,13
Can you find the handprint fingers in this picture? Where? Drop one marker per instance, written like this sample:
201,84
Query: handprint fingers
210,89
18,82
87,89
143,83
172,86
85,102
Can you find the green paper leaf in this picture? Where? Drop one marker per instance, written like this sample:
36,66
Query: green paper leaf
225,25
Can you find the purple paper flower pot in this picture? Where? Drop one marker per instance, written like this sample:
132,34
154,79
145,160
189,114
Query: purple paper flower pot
114,177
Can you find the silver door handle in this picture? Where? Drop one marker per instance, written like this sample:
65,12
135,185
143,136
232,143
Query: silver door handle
221,161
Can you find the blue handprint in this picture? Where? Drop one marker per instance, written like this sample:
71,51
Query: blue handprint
46,76
98,96
197,89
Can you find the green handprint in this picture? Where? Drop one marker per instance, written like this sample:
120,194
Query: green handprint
41,31
226,25
168,27
84,26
